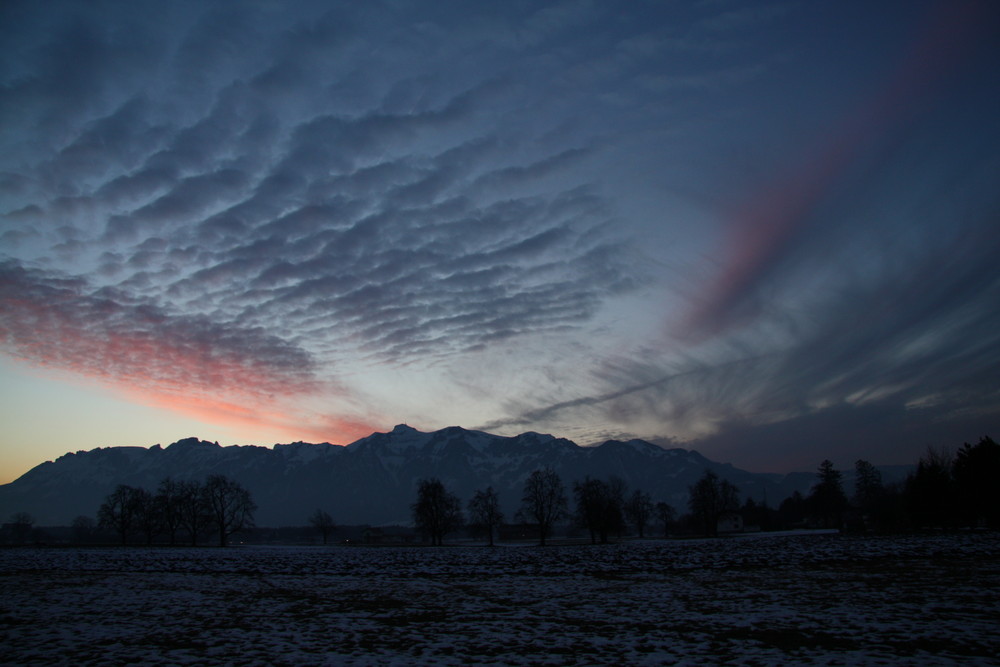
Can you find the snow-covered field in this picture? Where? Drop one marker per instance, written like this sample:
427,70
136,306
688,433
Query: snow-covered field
802,599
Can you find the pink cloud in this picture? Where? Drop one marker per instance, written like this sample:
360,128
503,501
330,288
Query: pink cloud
241,378
765,229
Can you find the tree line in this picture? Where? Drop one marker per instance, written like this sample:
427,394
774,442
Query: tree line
602,507
945,490
218,507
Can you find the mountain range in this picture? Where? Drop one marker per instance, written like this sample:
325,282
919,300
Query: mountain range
374,480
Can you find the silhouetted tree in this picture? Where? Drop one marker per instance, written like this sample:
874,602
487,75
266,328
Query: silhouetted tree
437,512
930,490
867,486
615,518
118,511
600,507
709,499
827,501
169,503
792,510
323,523
230,506
543,501
591,497
192,506
147,514
484,512
869,493
976,471
666,515
83,529
20,524
756,514
639,509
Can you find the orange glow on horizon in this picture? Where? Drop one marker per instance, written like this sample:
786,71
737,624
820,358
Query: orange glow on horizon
221,384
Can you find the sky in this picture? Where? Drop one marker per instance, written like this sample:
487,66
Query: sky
765,231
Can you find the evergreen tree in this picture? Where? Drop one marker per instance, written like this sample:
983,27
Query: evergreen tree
976,472
867,486
930,490
827,501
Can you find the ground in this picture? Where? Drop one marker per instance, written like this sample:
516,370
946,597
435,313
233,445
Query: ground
765,600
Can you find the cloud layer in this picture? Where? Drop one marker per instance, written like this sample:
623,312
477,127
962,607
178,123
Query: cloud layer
676,222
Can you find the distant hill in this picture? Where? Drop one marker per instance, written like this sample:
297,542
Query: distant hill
374,480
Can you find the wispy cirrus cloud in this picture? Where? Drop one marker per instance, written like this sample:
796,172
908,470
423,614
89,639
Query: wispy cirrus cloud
772,224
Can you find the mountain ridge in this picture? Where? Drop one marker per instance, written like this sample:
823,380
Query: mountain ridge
373,480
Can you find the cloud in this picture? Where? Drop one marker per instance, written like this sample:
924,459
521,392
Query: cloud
218,372
774,223
918,344
276,198
270,201
62,323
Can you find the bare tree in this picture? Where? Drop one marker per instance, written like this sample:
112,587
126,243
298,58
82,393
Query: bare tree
192,508
230,506
147,514
323,523
170,507
437,512
599,506
118,511
589,496
544,500
21,523
665,514
639,509
83,529
615,520
710,499
484,512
